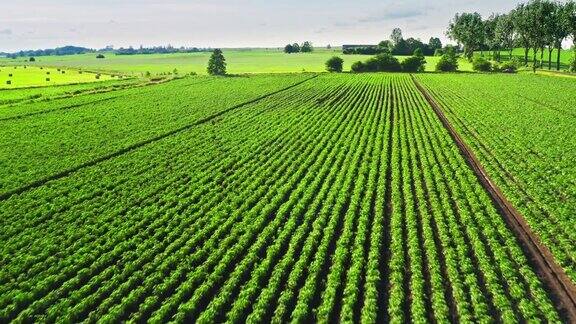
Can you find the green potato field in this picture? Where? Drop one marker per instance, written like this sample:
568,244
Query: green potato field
286,198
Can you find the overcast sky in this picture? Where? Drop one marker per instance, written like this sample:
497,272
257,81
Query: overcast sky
33,24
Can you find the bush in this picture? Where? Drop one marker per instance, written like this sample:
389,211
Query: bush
358,67
100,56
8,82
32,59
508,67
447,63
384,63
334,64
572,67
481,64
438,52
414,64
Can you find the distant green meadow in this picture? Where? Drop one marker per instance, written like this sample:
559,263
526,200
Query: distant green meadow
239,61
18,76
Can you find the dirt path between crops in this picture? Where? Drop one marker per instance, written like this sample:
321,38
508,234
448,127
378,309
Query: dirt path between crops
558,284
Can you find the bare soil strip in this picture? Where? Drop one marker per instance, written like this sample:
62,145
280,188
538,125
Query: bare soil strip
558,284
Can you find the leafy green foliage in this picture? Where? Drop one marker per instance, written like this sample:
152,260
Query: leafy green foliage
415,63
338,198
503,118
448,62
217,63
334,64
378,63
481,64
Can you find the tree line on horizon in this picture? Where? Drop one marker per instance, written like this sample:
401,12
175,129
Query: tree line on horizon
306,47
538,25
74,50
397,45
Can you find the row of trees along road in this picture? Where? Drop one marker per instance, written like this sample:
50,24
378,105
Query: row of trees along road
540,25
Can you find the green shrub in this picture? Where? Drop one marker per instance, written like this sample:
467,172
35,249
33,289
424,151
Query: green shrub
358,67
384,63
481,64
447,63
414,64
379,63
334,64
508,67
572,67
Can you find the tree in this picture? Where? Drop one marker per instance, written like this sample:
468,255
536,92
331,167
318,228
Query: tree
306,47
217,63
100,56
468,29
401,48
535,13
32,59
385,46
414,63
570,24
490,39
334,64
296,48
288,49
522,27
557,30
448,62
396,36
505,34
434,43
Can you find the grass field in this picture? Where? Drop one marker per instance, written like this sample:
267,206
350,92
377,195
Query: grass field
239,61
300,197
20,76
